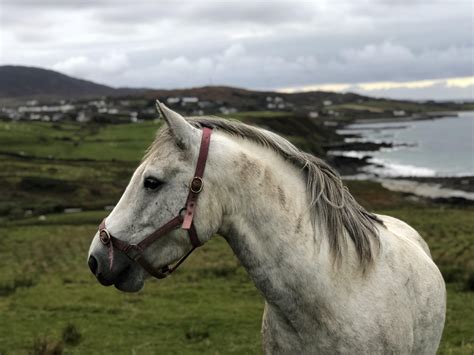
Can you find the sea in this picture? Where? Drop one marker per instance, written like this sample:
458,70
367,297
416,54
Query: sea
441,147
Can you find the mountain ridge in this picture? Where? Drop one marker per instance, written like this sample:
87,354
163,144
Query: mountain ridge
18,81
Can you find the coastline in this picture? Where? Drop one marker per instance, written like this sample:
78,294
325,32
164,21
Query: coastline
443,189
354,160
411,118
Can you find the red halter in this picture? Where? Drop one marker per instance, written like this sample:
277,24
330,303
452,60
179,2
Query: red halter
135,251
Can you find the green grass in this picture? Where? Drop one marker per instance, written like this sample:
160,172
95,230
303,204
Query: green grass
76,142
356,107
90,163
458,336
385,105
249,115
209,305
85,184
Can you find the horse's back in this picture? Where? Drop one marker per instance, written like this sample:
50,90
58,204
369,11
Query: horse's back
402,229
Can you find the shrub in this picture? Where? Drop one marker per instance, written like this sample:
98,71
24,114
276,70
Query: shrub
469,281
196,335
71,335
452,274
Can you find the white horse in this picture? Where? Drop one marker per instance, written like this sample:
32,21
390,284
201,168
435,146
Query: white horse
336,278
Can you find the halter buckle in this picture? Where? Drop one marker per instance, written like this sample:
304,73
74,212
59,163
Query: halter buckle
196,185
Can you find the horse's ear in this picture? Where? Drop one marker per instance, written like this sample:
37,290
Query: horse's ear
185,134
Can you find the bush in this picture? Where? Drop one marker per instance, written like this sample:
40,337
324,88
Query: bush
452,274
71,335
469,281
196,335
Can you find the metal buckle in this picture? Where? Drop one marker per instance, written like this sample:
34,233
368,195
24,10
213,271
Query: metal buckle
104,236
196,185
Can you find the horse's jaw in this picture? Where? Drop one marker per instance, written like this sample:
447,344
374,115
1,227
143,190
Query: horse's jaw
130,280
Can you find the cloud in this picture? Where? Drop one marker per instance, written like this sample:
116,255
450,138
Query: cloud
263,44
74,66
439,89
94,69
384,52
460,82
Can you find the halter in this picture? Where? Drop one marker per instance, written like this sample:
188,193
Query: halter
183,219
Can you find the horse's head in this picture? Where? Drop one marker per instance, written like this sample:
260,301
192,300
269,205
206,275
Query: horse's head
155,195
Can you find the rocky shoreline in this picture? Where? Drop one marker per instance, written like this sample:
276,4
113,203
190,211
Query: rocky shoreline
457,190
452,190
414,117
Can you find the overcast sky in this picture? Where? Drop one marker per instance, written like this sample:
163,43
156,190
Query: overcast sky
397,48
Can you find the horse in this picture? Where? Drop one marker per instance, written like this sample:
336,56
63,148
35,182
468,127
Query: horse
336,278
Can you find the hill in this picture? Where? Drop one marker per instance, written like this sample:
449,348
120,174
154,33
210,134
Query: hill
342,105
31,82
252,100
20,81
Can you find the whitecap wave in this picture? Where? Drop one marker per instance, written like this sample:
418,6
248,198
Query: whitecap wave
348,153
389,169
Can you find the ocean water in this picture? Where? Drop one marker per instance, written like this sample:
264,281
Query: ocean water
440,147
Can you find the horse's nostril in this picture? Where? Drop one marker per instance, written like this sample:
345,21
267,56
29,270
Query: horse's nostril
93,264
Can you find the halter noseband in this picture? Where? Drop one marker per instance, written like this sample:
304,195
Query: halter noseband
183,219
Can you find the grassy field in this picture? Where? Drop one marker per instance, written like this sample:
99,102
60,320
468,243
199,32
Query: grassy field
84,166
49,300
388,106
45,287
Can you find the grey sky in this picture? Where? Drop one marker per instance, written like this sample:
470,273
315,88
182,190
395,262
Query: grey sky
253,44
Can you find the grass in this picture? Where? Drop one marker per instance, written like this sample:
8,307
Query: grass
49,301
92,163
72,141
357,107
209,305
385,105
249,115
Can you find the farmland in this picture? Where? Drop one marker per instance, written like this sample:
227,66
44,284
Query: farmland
50,301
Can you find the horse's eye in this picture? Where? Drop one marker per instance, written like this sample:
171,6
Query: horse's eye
151,183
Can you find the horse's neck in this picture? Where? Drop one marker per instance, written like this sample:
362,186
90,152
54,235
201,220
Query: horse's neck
269,228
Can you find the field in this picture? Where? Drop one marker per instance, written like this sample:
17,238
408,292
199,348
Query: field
50,302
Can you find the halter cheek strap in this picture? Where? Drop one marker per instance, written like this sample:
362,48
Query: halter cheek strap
184,219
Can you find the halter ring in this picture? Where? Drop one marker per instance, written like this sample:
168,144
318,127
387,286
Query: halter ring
104,236
196,185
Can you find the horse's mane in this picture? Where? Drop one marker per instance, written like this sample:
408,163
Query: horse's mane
330,201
